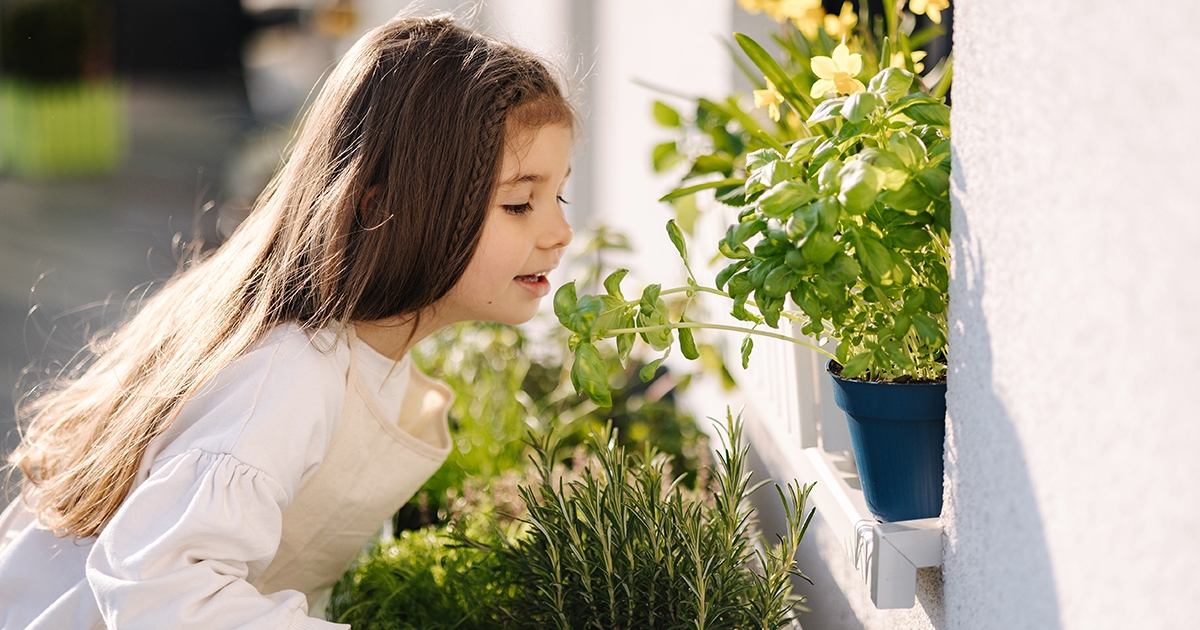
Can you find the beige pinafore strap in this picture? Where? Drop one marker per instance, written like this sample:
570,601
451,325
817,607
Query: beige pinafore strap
372,467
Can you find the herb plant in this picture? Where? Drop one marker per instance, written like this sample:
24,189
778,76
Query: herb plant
423,581
607,540
625,546
843,224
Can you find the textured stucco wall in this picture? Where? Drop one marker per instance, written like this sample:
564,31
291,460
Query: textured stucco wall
1073,452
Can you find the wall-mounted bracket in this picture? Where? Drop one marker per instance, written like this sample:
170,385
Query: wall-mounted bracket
894,552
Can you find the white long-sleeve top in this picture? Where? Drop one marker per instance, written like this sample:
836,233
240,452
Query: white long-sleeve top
253,501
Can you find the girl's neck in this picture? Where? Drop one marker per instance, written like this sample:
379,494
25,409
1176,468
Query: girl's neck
395,336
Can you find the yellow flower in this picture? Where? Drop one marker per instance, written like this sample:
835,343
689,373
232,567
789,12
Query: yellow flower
780,10
753,7
841,25
769,97
807,15
837,74
917,55
931,8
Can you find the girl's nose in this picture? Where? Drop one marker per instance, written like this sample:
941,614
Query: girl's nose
558,234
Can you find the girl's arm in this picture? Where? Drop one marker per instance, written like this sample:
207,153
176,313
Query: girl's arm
181,556
179,552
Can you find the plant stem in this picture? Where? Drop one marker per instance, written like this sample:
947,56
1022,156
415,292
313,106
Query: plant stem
695,289
748,331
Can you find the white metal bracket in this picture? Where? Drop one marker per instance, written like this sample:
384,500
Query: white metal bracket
894,552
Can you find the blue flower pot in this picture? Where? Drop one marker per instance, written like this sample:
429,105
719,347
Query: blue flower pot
897,430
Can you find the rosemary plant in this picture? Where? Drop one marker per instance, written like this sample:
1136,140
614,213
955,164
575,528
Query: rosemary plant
624,545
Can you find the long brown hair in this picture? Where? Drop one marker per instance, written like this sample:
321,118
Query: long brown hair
376,214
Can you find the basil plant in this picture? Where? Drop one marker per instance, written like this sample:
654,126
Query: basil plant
844,232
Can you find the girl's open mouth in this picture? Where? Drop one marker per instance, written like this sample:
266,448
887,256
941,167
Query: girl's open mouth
536,283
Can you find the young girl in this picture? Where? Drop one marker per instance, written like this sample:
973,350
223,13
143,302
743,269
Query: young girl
224,455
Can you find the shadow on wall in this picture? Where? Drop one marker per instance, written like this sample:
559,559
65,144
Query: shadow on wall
997,566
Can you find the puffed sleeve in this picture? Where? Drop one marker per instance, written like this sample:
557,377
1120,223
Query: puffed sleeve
178,554
183,548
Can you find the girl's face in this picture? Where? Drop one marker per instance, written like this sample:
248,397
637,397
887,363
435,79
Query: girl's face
524,235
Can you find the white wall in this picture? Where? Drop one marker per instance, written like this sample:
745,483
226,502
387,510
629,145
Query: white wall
1073,452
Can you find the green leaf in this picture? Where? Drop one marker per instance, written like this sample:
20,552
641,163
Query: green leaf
890,164
803,222
770,174
820,247
687,343
799,101
827,110
908,197
901,325
802,149
873,256
827,151
732,252
625,346
587,314
928,330
564,304
771,308
650,297
676,236
740,285
612,284
589,374
740,313
666,115
650,369
793,258
827,177
923,109
725,274
747,348
860,185
730,195
783,199
665,156
908,148
760,158
686,213
934,182
859,105
727,142
913,299
842,269
906,237
652,313
612,316
780,281
712,163
891,83
857,365
933,303
743,231
932,114
688,190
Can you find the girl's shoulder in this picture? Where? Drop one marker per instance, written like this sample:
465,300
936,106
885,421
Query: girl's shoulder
275,408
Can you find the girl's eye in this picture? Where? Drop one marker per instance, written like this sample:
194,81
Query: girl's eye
561,200
519,209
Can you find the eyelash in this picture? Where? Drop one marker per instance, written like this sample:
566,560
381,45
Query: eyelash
526,207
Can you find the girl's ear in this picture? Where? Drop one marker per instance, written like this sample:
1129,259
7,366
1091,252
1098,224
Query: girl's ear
368,197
